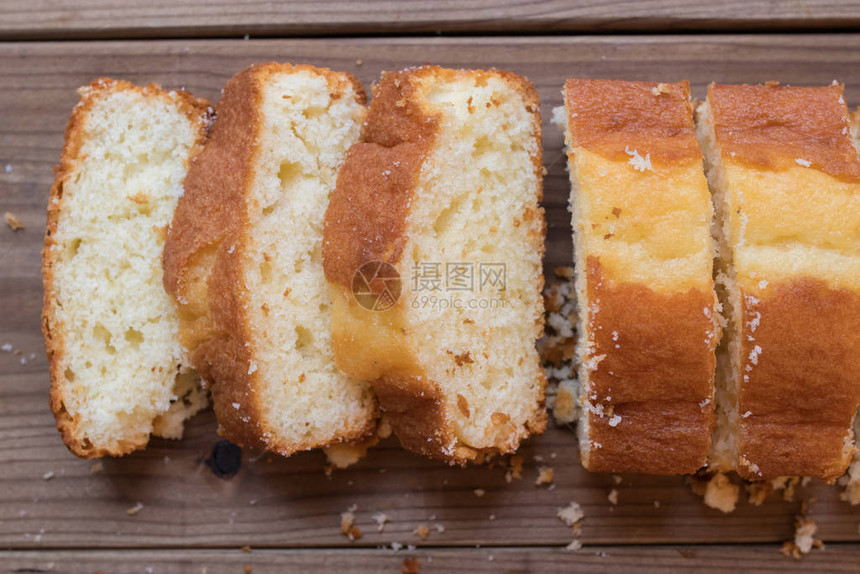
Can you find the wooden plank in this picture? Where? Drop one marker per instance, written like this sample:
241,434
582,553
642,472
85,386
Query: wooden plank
29,19
764,559
290,502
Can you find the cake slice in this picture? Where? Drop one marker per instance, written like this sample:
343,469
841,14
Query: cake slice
118,372
244,260
433,246
648,313
785,176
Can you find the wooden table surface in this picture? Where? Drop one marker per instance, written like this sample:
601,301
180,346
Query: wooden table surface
57,515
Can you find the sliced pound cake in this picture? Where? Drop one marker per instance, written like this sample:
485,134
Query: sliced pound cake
244,260
644,259
785,177
118,372
433,246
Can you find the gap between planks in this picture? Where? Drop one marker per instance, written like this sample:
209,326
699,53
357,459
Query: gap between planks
90,19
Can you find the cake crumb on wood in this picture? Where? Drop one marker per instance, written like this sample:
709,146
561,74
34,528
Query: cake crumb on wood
354,533
410,566
516,467
343,455
381,519
422,531
613,497
570,514
12,221
721,493
347,524
546,475
804,538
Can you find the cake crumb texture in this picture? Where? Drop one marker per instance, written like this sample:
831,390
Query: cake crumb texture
118,371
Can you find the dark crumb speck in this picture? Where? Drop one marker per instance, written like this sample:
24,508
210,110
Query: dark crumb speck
225,460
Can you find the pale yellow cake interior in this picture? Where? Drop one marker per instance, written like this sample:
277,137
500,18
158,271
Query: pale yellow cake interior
308,124
469,207
122,369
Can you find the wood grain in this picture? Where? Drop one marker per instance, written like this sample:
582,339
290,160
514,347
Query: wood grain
275,502
81,19
658,559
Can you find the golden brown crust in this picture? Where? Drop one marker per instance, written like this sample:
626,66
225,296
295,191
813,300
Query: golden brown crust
415,408
198,271
366,221
656,374
614,117
800,347
649,359
202,254
197,110
379,171
772,126
382,170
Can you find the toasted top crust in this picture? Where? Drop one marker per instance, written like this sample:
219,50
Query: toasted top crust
652,366
800,352
791,207
614,117
648,320
647,208
198,111
200,271
776,127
